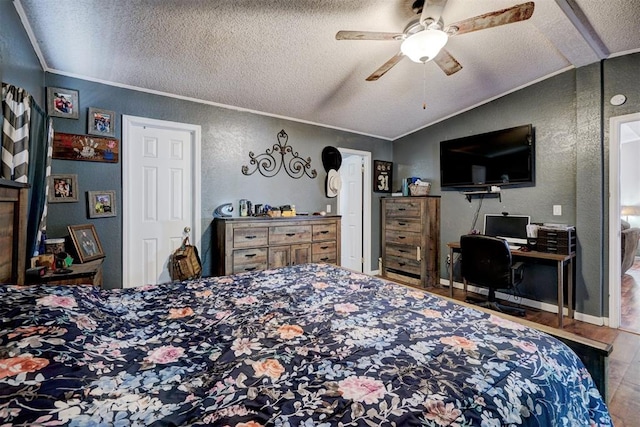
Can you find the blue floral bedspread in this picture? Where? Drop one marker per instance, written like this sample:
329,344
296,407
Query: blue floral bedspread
310,345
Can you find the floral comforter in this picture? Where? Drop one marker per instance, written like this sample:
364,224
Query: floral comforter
310,345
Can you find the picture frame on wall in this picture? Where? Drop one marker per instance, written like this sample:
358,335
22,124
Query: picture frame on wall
63,188
101,204
85,241
68,146
62,102
101,122
382,176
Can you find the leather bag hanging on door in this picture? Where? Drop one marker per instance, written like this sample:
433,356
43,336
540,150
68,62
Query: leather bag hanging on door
185,262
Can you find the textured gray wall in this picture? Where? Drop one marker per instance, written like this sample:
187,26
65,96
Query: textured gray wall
227,138
565,111
19,64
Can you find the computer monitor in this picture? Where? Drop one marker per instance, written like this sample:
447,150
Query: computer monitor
512,228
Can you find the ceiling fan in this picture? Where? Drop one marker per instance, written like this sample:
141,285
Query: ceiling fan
424,39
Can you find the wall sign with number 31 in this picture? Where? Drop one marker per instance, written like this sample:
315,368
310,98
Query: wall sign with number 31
382,176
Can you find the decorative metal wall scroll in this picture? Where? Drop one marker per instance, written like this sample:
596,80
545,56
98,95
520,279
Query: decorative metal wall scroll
268,164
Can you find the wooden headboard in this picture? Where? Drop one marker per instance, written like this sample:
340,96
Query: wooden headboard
13,231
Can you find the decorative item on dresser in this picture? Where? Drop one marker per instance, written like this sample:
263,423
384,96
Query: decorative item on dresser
247,244
13,231
411,239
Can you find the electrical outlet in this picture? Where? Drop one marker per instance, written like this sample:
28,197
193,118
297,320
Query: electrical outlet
328,209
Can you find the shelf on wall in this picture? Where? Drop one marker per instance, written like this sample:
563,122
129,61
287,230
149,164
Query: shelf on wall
470,194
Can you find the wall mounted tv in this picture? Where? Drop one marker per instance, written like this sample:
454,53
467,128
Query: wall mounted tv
503,157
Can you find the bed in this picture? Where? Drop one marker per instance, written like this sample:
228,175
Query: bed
306,345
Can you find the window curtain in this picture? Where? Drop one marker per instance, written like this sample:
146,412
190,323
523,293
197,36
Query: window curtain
27,135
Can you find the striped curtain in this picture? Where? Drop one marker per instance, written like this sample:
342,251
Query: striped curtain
27,138
16,111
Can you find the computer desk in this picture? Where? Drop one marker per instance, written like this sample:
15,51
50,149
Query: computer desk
560,259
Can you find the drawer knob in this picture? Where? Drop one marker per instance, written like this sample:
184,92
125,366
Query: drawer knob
250,237
324,231
249,269
402,223
401,209
324,259
324,247
401,237
291,234
250,255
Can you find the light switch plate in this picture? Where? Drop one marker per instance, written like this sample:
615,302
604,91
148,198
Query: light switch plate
557,210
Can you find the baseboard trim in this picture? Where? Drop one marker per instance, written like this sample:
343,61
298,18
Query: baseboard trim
539,305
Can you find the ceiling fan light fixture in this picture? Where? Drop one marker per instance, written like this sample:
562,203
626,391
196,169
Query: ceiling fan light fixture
424,45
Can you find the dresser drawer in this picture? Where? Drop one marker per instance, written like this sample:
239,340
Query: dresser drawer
324,252
408,238
403,208
249,260
403,265
411,224
324,232
291,234
250,237
402,251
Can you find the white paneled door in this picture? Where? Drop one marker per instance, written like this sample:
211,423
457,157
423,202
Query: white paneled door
354,205
161,192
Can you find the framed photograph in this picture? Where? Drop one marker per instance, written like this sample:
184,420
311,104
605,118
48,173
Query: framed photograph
101,122
69,146
63,188
101,204
63,103
86,242
382,176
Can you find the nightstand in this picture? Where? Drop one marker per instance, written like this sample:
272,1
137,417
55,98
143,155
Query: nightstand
88,273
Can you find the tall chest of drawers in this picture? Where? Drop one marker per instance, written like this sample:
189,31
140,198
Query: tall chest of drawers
247,244
411,239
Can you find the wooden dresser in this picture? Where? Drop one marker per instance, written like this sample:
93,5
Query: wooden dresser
13,231
258,243
411,239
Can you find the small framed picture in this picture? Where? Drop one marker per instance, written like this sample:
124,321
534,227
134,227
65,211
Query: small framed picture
101,204
86,242
101,122
382,176
63,103
63,188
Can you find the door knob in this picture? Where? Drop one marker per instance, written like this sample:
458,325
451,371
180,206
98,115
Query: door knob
187,229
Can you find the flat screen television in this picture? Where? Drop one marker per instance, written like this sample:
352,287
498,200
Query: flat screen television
503,157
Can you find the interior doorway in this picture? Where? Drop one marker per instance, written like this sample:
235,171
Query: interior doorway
161,195
624,191
354,205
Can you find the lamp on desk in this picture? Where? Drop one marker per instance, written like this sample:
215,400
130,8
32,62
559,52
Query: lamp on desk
630,210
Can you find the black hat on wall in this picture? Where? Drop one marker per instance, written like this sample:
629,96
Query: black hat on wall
331,158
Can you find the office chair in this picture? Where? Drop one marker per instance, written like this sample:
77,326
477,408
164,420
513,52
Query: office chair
487,263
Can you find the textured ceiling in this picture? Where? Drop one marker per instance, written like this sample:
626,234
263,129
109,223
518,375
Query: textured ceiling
281,58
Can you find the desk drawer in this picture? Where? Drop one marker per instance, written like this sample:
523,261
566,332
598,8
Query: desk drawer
402,208
249,260
249,237
400,237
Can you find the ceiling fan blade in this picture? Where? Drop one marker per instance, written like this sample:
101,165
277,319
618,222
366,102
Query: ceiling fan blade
432,11
447,63
367,35
517,13
385,67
